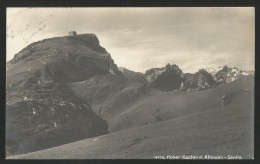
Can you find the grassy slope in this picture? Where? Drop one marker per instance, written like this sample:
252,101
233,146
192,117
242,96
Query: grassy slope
161,106
108,94
131,106
211,130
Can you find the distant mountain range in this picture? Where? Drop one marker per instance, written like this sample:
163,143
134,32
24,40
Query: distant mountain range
65,89
171,77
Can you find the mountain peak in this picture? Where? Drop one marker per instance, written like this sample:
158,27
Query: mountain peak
69,58
65,44
227,74
200,80
165,78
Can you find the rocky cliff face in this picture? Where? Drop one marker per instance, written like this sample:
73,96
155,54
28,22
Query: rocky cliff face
165,79
201,80
41,111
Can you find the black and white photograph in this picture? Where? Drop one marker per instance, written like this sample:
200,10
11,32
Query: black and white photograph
130,83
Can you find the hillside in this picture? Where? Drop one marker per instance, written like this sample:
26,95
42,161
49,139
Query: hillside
41,111
215,130
136,106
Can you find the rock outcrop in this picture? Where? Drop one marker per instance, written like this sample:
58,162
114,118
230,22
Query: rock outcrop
167,78
201,80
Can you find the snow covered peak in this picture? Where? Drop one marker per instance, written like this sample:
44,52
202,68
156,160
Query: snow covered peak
226,74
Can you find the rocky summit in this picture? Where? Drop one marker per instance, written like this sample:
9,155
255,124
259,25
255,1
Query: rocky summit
200,80
165,79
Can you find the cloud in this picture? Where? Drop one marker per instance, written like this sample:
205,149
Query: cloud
142,38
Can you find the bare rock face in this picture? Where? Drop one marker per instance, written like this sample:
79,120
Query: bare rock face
167,78
41,110
201,80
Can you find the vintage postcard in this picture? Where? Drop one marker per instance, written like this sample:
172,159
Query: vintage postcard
130,83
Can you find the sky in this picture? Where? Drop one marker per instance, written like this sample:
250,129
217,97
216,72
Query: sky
143,38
